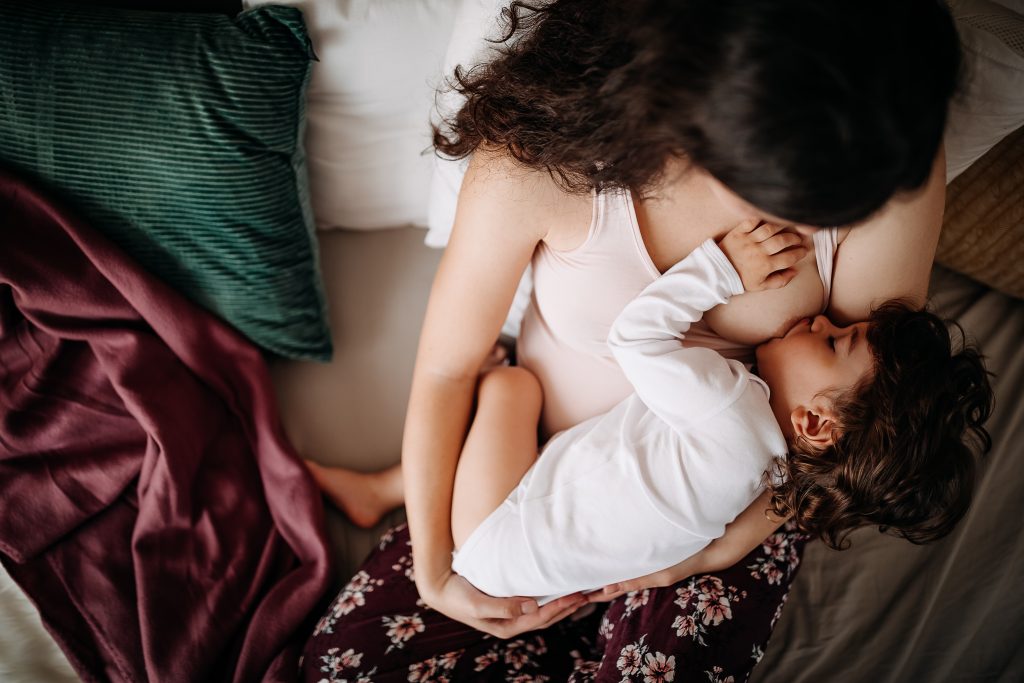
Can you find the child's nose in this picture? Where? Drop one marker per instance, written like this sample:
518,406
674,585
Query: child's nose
820,323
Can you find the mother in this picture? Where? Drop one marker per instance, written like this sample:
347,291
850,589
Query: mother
608,141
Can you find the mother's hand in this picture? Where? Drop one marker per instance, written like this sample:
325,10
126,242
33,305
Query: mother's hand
457,598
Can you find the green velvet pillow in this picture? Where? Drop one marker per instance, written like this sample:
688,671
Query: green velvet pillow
180,137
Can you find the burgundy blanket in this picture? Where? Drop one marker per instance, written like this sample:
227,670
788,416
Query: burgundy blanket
150,504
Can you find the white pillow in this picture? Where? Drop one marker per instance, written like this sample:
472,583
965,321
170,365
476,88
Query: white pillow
477,24
991,105
368,107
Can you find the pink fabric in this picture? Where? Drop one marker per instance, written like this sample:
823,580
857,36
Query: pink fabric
150,504
578,293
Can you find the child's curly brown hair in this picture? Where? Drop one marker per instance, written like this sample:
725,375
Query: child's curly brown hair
905,440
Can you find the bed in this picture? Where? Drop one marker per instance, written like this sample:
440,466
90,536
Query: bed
881,611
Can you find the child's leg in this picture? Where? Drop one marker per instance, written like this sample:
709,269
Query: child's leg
364,497
500,447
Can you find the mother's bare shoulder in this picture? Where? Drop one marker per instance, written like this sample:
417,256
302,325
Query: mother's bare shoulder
527,197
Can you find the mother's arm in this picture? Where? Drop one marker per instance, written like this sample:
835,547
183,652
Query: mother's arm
890,255
498,224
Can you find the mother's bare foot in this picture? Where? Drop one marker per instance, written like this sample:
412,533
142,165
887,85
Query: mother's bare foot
364,497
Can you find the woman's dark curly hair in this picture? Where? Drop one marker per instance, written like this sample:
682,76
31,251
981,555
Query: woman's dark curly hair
815,112
903,456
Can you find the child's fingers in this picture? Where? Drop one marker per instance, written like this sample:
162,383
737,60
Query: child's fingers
748,225
765,231
786,259
601,596
643,583
606,594
779,279
780,241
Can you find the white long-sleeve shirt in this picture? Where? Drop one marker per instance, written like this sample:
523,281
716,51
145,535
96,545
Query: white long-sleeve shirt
655,479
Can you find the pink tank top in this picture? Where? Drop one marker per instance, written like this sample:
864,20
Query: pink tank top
577,294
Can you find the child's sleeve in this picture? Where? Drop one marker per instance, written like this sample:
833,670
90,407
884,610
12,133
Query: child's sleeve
681,385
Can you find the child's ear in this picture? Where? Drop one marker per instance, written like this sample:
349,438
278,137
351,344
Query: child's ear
814,425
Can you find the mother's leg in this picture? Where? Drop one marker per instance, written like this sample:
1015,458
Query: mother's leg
378,629
707,628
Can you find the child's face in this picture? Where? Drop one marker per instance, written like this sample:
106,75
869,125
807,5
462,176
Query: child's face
812,358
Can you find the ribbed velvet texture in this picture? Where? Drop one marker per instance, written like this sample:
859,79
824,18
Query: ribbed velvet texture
180,137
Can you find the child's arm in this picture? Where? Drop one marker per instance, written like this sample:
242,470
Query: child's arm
744,534
685,385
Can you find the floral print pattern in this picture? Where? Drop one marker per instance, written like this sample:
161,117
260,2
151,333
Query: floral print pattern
637,661
335,665
401,628
705,602
351,597
712,627
658,668
389,536
715,676
779,558
434,670
636,600
631,658
486,660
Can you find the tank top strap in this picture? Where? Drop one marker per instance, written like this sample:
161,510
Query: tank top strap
614,234
826,241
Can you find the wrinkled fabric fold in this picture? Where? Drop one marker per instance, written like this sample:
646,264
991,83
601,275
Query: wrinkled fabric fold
150,504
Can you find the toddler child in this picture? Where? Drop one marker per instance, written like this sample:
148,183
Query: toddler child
869,424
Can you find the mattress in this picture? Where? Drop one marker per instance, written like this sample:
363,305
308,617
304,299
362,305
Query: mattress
884,610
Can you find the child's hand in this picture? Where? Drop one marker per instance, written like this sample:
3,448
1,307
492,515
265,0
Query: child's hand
691,566
763,254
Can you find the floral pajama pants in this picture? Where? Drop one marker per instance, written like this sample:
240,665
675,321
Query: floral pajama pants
710,628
